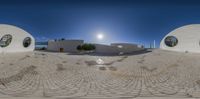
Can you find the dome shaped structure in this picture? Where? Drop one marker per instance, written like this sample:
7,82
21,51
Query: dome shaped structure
183,39
14,39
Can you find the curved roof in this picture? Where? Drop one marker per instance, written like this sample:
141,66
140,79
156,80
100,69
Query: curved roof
188,39
18,35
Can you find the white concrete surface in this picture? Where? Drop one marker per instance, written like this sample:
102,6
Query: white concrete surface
188,39
117,48
127,47
106,49
18,35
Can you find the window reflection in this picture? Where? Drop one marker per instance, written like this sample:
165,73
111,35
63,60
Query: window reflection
171,41
27,42
5,40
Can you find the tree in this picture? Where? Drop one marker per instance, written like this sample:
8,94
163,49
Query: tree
62,39
79,47
86,47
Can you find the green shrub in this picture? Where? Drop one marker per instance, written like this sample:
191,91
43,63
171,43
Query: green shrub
86,47
79,47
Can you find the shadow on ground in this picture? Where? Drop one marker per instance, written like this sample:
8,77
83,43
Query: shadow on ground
101,54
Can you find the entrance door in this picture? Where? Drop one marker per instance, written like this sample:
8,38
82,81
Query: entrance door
61,49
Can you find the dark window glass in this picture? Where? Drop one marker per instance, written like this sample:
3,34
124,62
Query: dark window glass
171,41
5,40
27,42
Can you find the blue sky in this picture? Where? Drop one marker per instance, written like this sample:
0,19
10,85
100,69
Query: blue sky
137,21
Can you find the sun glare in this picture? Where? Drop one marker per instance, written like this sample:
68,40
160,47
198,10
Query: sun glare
100,36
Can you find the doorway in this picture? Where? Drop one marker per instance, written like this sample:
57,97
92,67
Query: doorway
61,49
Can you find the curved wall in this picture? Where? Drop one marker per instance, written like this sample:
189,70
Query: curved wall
18,36
188,39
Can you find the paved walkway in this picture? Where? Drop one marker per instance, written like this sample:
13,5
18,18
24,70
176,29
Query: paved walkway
155,74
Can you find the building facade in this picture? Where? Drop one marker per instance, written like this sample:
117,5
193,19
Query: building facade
71,46
64,45
14,39
183,39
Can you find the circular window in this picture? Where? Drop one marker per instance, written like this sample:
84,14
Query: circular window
171,41
27,42
5,40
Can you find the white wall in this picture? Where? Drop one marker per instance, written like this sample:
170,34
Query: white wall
188,39
67,45
127,47
18,35
114,49
106,49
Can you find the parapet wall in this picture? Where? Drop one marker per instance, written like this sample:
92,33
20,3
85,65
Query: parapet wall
117,48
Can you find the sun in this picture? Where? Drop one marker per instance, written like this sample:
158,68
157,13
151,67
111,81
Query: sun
100,36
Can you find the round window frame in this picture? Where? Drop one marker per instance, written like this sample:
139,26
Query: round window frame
171,45
25,39
6,40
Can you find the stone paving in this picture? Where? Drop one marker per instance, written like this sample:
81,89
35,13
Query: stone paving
154,74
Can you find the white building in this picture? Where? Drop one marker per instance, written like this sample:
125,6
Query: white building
106,49
14,39
117,48
64,45
71,46
183,39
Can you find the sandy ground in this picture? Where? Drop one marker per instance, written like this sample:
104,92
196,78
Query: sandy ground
162,74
